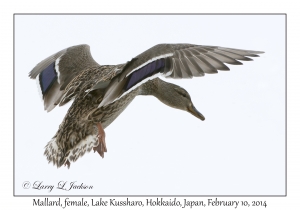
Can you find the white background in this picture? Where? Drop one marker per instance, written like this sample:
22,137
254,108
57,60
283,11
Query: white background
153,149
8,8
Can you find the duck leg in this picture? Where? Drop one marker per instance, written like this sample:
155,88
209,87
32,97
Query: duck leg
101,148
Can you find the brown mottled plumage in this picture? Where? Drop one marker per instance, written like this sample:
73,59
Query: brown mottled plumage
101,93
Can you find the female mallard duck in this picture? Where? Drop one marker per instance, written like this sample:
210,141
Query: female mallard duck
101,93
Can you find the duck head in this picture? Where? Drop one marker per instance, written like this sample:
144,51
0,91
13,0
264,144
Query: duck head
177,97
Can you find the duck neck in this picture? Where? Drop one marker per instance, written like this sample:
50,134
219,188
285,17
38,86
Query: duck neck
160,89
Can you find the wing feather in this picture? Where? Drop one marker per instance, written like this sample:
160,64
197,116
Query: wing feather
56,72
185,69
180,61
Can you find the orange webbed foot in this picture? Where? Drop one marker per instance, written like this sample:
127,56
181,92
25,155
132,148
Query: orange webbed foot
101,148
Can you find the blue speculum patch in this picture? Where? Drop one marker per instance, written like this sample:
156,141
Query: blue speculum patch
144,72
47,77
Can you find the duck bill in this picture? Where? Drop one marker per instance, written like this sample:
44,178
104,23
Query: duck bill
195,112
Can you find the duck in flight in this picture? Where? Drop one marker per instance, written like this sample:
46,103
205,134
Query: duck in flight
102,92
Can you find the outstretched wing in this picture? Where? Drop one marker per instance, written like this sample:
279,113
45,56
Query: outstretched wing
173,61
55,72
